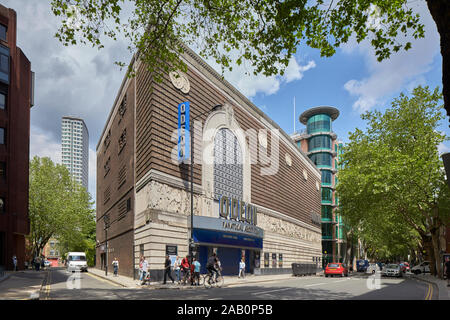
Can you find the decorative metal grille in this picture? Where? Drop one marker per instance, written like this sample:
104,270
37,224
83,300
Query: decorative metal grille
228,168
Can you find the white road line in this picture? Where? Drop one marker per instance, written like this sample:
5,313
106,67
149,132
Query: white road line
264,292
315,284
339,281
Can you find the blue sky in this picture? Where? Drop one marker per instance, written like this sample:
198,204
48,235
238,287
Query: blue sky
82,82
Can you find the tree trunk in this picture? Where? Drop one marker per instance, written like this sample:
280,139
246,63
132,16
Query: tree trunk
436,251
440,11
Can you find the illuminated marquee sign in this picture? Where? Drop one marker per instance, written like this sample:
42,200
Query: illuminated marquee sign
233,209
183,131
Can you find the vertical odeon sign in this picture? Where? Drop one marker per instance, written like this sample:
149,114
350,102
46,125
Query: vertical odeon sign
183,131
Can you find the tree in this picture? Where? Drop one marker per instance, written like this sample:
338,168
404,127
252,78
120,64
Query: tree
392,184
266,33
58,206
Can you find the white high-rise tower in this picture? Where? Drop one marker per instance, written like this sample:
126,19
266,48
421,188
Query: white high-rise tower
75,149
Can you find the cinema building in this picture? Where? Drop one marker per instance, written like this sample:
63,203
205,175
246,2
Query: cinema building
256,195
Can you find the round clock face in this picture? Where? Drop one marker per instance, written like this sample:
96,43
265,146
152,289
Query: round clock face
262,137
179,81
288,160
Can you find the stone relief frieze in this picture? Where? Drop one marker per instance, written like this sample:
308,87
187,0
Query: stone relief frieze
284,228
162,197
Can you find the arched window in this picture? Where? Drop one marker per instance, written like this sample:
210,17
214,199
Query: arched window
228,165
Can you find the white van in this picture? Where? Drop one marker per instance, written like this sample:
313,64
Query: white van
76,261
424,267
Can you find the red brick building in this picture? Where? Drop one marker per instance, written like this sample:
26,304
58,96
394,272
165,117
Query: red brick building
16,99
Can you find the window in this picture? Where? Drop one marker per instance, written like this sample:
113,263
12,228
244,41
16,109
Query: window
327,195
319,142
122,140
321,159
2,100
2,205
228,167
2,170
326,177
319,123
327,213
3,32
2,135
4,64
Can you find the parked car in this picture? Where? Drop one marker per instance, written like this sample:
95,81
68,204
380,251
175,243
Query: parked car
424,267
372,268
362,265
392,270
336,269
76,261
404,266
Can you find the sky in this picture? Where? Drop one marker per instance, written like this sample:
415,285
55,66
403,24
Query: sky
82,81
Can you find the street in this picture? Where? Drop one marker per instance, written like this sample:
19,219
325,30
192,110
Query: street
61,285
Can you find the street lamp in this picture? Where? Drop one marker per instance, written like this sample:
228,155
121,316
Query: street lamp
191,240
106,220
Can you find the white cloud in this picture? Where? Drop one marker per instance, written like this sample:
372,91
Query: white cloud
43,145
442,148
249,84
401,71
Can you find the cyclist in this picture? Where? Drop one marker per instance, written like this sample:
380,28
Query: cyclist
213,262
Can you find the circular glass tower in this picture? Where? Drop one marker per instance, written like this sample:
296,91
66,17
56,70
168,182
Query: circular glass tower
319,142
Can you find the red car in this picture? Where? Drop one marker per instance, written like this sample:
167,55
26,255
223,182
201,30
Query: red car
404,266
336,269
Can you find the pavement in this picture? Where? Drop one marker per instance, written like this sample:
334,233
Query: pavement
443,289
229,281
22,285
27,284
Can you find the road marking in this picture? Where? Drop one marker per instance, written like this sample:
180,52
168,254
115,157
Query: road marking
315,284
103,280
429,295
340,281
264,292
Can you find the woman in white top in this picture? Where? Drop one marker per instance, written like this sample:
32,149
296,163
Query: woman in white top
242,268
176,267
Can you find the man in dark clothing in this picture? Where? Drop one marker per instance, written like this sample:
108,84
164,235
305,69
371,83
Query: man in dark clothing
211,265
447,270
167,271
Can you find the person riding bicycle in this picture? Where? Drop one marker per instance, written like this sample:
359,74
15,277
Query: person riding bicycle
212,265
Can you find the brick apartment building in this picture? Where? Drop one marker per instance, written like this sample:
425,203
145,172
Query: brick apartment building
16,99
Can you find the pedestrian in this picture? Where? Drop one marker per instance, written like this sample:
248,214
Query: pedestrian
42,262
241,269
140,267
144,270
14,258
37,263
447,270
185,267
196,274
167,271
177,268
115,264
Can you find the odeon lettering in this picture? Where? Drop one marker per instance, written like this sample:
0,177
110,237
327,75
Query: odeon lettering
238,210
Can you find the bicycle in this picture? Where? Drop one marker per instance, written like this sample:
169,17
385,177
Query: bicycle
211,279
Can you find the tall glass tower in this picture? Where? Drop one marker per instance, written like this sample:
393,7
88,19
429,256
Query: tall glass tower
320,143
75,149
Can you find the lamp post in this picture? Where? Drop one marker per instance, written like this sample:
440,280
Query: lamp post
191,239
106,220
